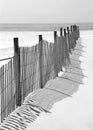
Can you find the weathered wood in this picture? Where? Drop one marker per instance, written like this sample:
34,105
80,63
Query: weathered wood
40,38
55,36
71,28
61,31
55,54
17,71
5,100
69,39
2,93
40,59
11,86
6,88
33,68
65,32
68,30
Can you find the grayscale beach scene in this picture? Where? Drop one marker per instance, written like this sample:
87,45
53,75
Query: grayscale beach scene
46,65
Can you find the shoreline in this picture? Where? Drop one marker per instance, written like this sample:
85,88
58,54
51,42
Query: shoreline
42,26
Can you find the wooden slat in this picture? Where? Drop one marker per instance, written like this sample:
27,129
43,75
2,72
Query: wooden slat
5,112
9,93
24,73
21,70
8,89
2,93
37,74
29,69
13,86
11,107
33,78
26,86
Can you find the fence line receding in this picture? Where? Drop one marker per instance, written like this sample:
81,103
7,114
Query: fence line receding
31,67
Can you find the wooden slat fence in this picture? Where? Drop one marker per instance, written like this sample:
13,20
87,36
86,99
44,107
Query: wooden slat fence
38,64
7,89
29,69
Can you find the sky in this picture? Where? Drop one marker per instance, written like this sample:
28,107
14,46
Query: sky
46,11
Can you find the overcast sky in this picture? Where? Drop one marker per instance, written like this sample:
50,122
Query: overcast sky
46,11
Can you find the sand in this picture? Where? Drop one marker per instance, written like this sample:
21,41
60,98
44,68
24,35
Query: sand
74,113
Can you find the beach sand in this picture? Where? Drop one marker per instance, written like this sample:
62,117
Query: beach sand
74,113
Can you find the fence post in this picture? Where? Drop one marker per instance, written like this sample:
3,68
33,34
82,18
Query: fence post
66,55
40,59
61,31
17,71
55,36
69,42
71,28
55,54
61,54
68,30
65,32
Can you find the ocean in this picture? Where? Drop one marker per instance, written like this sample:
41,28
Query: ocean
42,27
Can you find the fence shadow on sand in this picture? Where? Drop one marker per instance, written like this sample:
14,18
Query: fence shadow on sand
62,86
55,88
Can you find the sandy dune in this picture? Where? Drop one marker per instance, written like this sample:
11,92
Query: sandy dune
74,113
